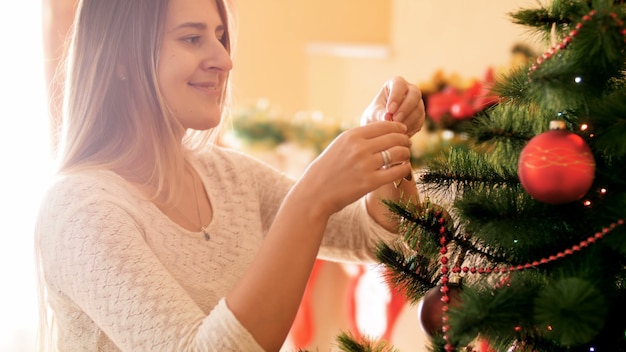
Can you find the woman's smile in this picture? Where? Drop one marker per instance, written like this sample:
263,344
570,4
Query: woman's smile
207,87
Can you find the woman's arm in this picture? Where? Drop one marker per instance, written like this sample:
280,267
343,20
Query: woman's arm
267,297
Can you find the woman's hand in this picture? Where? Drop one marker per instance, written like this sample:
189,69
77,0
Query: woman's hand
402,102
353,165
398,100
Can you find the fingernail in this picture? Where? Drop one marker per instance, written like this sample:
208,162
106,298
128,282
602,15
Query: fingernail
398,117
392,107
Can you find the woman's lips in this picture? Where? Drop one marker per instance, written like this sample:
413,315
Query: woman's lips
210,88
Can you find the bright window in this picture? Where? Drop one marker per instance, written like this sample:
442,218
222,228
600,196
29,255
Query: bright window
25,166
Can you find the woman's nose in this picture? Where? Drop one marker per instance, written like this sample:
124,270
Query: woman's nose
217,57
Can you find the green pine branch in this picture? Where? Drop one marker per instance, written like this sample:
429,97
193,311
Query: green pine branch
411,274
349,343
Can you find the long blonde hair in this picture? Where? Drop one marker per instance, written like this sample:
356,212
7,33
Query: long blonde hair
114,116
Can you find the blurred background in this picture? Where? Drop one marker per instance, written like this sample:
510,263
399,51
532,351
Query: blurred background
333,56
304,71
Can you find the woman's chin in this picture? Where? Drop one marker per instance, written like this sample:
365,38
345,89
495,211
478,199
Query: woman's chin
203,125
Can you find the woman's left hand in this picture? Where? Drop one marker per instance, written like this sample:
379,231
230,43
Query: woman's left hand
397,100
400,101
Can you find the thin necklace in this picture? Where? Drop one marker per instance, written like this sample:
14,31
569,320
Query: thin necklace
195,193
205,231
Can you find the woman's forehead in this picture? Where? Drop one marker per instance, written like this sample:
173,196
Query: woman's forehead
192,11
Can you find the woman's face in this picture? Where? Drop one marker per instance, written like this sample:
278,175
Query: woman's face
193,63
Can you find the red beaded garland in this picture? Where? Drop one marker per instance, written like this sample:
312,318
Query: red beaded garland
566,252
447,296
568,39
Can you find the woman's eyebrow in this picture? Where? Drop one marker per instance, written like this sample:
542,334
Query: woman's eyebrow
196,25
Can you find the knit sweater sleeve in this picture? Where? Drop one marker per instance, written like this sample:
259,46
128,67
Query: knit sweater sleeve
351,235
107,288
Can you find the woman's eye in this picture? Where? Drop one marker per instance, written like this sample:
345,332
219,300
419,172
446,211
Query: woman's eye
221,36
192,40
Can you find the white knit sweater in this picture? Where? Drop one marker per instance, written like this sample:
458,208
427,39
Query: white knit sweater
121,276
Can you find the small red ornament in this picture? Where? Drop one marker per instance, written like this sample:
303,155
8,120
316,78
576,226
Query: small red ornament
430,308
556,167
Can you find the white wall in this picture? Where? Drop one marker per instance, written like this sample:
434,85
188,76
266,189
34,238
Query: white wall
457,36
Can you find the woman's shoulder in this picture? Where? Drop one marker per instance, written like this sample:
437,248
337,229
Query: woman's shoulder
76,197
229,159
217,153
235,168
80,186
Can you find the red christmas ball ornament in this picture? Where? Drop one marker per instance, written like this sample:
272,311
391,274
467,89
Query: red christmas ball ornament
557,166
430,307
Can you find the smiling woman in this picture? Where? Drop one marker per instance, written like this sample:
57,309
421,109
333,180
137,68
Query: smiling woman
150,238
270,62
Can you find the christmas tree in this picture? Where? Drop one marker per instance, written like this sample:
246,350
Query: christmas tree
530,253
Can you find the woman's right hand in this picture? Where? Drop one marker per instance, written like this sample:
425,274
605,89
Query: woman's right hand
353,165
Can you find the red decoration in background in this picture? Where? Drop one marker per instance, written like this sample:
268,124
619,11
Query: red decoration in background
393,307
351,304
556,167
460,103
302,329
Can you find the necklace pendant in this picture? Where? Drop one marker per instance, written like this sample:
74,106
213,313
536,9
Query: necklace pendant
206,234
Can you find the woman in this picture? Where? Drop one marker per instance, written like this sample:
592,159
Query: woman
153,239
